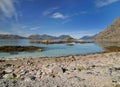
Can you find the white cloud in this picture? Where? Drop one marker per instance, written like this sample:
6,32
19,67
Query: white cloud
101,3
58,15
49,11
34,28
66,21
8,8
83,12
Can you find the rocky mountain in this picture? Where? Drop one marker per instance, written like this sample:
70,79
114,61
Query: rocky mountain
48,37
6,36
63,37
111,34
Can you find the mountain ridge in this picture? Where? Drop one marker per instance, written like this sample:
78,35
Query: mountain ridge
11,36
49,37
37,36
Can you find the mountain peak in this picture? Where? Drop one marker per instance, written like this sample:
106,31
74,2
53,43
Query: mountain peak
112,33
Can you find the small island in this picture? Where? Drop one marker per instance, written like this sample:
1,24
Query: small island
19,48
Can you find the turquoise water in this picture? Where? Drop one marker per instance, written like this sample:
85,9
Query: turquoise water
51,50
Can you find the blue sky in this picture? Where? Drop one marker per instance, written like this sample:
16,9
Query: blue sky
55,17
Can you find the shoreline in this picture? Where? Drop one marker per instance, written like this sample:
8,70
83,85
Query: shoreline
34,57
91,70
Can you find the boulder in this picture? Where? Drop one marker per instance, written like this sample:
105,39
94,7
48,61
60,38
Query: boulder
57,70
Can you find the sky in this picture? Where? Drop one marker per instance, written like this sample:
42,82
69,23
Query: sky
56,17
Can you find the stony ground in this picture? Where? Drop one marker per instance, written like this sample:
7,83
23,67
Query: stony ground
93,70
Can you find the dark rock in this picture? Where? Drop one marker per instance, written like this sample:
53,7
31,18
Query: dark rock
113,48
32,77
2,60
18,48
93,66
8,65
64,70
117,68
70,44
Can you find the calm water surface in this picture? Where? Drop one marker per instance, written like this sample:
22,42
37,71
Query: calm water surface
52,50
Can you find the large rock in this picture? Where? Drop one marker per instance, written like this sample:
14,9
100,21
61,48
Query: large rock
8,70
58,70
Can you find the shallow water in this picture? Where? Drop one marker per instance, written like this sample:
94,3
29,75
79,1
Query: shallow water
51,50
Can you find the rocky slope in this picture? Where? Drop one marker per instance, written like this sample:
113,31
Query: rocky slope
111,34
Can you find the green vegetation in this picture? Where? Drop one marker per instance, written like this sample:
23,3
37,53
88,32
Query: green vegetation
80,68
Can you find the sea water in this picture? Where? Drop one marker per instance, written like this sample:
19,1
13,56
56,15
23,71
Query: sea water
52,50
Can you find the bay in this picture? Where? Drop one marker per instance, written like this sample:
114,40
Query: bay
52,50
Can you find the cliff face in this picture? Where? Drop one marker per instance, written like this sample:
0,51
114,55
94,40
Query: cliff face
111,34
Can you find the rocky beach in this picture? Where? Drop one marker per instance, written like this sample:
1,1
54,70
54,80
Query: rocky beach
91,70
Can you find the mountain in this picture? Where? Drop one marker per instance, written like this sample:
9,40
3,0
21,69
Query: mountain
48,37
42,37
6,36
111,34
88,37
63,37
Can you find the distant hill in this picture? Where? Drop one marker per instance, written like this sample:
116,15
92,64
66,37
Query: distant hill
64,37
48,37
6,36
42,37
112,33
88,37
